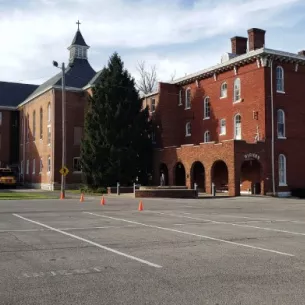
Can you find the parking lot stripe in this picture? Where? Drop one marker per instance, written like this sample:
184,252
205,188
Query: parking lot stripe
90,242
192,234
228,223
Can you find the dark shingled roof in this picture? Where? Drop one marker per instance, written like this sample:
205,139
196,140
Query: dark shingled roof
95,78
12,94
79,39
77,76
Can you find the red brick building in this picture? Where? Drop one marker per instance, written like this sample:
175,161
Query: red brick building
31,129
239,124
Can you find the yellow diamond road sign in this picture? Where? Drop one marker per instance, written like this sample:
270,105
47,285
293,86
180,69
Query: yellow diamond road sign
64,171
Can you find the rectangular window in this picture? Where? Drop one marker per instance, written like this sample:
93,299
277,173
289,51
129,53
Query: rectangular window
34,167
180,97
21,167
41,123
0,118
76,165
40,166
27,166
49,135
223,127
153,105
153,137
49,164
78,131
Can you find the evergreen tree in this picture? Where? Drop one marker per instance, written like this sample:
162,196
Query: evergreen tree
116,146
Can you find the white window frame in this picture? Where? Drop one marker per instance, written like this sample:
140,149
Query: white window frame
188,129
34,125
206,108
76,171
49,165
281,114
223,127
282,170
27,167
40,165
41,123
180,97
224,90
279,74
236,137
49,135
34,167
188,98
0,118
21,167
237,88
207,136
27,128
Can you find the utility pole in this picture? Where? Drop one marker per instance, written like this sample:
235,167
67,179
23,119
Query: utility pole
63,111
63,107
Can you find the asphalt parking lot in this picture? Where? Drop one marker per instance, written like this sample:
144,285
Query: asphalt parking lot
247,250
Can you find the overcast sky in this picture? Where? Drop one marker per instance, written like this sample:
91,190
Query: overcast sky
180,36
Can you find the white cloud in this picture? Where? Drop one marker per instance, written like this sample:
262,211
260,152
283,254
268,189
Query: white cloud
41,30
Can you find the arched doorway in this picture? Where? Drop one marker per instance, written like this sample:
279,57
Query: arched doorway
250,177
180,174
198,176
164,171
220,176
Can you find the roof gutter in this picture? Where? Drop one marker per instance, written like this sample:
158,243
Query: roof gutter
8,108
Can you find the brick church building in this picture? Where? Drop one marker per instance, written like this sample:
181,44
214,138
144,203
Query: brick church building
31,122
238,125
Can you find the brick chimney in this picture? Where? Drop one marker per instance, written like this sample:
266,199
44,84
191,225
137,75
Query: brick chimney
302,53
256,38
239,45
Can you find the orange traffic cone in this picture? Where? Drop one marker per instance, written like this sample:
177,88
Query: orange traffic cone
62,196
81,197
140,206
103,201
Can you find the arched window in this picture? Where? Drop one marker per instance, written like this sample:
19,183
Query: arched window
282,170
49,112
223,90
27,128
279,79
180,97
207,137
34,125
237,127
188,129
41,123
188,98
207,108
236,90
280,123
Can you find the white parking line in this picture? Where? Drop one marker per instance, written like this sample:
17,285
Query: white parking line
67,229
228,223
90,242
191,234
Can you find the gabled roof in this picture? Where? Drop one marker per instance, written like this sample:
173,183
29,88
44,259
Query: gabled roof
76,76
263,52
79,39
12,94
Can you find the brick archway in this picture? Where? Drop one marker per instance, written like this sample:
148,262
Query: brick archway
220,175
198,176
179,175
250,177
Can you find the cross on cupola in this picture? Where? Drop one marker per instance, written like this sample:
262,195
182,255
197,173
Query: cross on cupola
78,48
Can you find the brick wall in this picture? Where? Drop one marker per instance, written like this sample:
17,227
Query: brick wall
5,144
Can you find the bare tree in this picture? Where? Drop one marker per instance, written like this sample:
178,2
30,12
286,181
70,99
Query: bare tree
148,78
173,76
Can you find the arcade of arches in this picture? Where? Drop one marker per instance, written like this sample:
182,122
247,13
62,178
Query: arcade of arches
250,177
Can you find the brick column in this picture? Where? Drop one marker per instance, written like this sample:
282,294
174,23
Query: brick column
208,180
170,175
234,181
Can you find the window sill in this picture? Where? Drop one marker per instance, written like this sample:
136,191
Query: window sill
48,173
222,134
207,118
77,172
222,97
188,135
238,101
281,92
187,108
281,138
180,104
283,184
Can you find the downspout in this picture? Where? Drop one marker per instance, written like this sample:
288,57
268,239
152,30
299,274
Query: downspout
272,127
